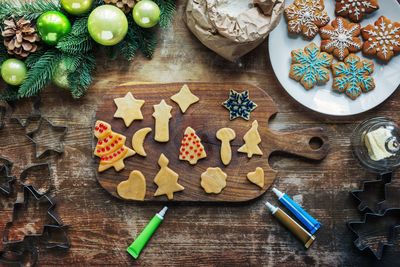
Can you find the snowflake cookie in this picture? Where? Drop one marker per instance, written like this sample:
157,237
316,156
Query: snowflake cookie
355,10
239,105
340,38
353,76
306,17
310,66
382,38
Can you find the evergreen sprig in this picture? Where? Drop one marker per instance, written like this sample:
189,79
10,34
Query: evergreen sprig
78,40
30,10
81,78
167,8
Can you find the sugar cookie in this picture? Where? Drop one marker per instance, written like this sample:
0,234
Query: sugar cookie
134,188
138,141
185,98
110,147
257,177
128,108
166,179
252,139
191,147
162,115
226,135
213,180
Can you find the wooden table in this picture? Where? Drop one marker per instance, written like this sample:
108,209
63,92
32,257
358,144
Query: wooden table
101,227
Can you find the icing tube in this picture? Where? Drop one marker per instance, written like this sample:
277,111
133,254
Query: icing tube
290,224
140,242
306,219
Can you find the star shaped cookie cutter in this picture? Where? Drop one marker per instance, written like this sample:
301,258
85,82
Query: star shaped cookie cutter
5,174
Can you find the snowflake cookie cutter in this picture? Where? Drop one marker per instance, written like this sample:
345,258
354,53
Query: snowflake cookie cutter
56,145
373,227
5,175
369,189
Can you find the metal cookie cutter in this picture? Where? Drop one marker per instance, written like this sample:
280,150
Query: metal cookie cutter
23,254
366,197
376,231
6,179
42,173
30,109
41,134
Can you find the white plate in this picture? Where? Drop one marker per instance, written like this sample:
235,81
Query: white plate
322,98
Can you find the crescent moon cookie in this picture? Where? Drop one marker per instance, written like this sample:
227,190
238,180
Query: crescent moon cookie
306,17
341,38
355,10
310,66
382,39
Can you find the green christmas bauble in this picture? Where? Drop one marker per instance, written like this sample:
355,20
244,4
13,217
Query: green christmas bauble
13,71
52,25
146,14
60,75
107,25
77,7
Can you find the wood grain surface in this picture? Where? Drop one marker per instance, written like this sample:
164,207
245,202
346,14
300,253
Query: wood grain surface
206,117
101,226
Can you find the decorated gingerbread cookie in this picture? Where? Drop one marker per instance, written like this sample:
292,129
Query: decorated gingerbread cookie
310,66
353,76
382,39
191,147
355,10
110,147
239,105
306,17
341,38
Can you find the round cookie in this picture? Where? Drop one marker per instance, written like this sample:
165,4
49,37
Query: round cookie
355,10
382,39
341,38
306,17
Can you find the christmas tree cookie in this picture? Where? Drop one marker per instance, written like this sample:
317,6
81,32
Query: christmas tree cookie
166,179
191,147
128,108
251,140
110,147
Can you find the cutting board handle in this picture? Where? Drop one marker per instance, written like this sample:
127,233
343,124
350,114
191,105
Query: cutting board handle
312,143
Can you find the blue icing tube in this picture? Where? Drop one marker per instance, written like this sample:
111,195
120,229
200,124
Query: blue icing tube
312,224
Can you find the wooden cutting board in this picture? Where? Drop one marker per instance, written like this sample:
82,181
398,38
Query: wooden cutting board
206,117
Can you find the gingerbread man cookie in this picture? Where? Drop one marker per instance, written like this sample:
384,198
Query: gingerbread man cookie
306,17
110,147
341,38
382,39
355,10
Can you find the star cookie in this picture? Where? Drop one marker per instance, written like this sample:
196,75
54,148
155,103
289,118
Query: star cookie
310,66
382,39
341,38
355,10
239,105
353,76
306,17
185,98
128,108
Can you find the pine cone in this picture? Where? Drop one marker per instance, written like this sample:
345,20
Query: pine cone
20,37
125,5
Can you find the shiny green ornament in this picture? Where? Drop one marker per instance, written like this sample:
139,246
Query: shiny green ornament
60,75
13,71
107,25
76,7
146,14
52,25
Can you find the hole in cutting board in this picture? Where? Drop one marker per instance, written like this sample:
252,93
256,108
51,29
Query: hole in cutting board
316,143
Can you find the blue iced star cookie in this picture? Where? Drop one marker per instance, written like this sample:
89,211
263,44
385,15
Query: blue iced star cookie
239,105
353,76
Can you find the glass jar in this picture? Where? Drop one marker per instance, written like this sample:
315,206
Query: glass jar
375,143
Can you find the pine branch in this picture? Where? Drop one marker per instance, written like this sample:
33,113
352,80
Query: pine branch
34,57
129,46
3,51
146,39
9,94
81,78
40,74
78,40
30,10
167,8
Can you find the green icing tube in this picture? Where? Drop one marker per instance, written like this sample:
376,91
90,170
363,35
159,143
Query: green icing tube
140,242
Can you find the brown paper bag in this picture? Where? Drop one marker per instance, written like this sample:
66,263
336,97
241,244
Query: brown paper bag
232,28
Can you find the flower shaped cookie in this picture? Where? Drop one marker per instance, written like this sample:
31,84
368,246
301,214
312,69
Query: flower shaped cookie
355,10
382,38
353,76
310,66
306,17
340,38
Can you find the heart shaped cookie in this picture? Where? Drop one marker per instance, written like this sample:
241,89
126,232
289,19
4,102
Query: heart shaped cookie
134,188
257,177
